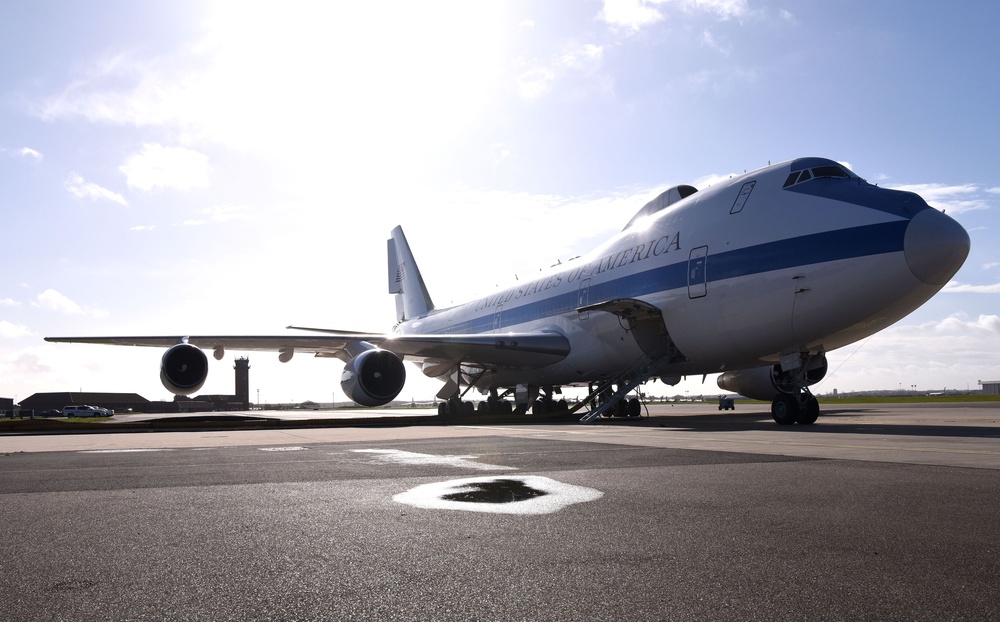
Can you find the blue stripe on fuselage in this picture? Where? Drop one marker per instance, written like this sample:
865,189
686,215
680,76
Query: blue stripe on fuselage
778,255
859,192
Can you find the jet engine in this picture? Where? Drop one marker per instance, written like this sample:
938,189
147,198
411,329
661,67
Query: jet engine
765,383
183,369
373,378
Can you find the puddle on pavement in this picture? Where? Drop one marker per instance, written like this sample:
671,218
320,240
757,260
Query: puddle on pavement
495,491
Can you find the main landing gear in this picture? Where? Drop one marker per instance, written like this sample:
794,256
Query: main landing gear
789,408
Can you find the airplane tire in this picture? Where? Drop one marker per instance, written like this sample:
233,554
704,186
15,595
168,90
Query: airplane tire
634,408
809,413
785,409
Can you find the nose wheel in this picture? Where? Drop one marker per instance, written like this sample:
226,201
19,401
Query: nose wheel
789,408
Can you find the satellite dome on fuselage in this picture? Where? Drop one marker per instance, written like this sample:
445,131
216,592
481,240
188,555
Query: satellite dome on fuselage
665,199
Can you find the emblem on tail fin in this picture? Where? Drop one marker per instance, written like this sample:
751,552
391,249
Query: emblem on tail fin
412,299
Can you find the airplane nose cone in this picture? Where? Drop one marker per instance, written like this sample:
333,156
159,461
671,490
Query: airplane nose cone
935,246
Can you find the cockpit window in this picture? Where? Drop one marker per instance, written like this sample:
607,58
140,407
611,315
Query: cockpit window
816,173
829,171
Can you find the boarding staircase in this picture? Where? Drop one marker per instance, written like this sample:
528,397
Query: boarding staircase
639,372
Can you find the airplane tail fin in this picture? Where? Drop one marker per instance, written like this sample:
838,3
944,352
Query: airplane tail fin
412,299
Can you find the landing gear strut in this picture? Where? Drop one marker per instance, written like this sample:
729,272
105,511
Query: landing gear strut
789,408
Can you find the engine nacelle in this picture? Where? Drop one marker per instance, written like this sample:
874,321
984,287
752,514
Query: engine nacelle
766,383
183,369
373,378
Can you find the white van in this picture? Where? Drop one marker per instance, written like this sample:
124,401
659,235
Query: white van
86,411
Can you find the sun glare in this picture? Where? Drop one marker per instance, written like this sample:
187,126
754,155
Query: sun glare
342,84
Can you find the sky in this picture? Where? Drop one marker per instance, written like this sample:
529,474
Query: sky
199,167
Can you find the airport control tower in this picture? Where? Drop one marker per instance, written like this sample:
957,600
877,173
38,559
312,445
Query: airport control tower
242,368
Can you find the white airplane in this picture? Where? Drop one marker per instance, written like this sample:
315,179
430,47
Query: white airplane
757,277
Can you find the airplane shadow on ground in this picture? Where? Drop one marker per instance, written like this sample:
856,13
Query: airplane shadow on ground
827,424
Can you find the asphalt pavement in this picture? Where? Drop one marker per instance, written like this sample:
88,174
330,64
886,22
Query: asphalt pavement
877,515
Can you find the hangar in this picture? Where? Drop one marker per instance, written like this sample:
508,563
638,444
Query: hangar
121,402
990,387
41,402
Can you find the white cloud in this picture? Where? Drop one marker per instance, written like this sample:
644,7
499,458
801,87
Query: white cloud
218,213
633,14
9,330
226,213
142,228
83,189
159,167
26,153
723,9
991,265
959,323
709,41
52,300
335,86
637,14
585,57
534,83
586,60
955,199
950,353
963,288
9,302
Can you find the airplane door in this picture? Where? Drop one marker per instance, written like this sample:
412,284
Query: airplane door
583,297
496,318
698,272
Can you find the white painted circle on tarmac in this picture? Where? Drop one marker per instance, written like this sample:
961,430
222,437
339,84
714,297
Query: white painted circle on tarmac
528,494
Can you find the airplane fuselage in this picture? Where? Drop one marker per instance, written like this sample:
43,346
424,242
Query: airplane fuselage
743,273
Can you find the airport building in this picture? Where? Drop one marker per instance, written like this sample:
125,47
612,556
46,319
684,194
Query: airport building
990,387
119,402
125,402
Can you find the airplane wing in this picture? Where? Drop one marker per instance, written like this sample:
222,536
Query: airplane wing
522,350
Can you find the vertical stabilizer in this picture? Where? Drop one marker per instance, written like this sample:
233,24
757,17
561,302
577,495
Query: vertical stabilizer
412,299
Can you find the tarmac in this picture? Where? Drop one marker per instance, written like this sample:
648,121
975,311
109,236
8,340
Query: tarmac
873,513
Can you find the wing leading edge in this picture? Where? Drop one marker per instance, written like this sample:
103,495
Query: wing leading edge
518,350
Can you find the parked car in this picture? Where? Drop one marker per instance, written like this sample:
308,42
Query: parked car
86,411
